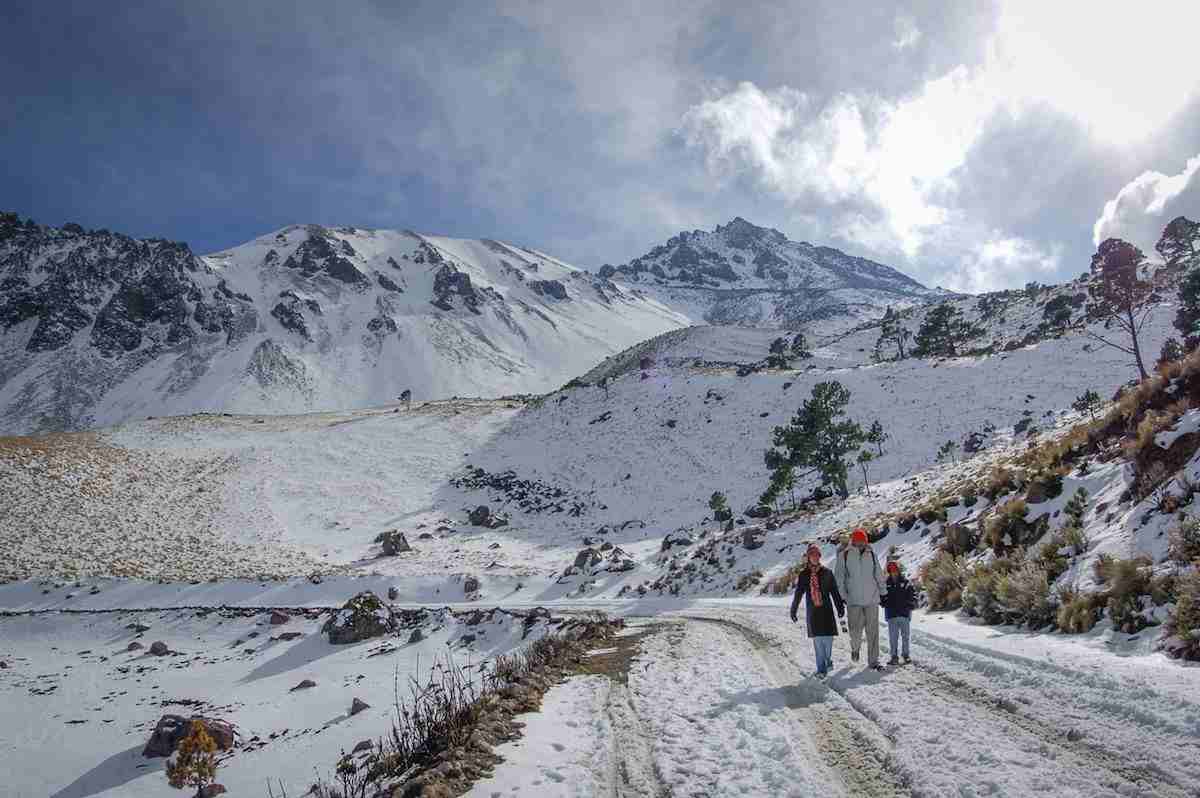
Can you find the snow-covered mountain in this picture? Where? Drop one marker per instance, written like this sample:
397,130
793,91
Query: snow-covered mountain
97,327
748,275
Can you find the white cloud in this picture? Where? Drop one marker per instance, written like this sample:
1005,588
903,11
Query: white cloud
1002,262
1143,207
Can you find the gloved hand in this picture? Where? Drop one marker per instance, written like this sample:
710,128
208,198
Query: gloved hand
793,617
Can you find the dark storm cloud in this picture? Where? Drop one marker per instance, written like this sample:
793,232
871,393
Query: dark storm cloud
558,125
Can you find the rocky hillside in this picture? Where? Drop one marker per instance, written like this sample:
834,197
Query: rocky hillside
97,327
748,275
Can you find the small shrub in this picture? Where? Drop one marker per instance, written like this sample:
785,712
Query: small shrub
749,581
1077,507
1184,541
932,513
969,497
1025,596
942,579
1128,583
999,481
1101,565
958,539
195,762
1007,528
1183,622
1077,613
979,594
785,582
1076,539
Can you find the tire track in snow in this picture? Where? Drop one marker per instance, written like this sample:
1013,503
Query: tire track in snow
1068,767
863,761
634,774
1143,774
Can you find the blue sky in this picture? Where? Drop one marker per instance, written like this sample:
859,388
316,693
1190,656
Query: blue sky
971,145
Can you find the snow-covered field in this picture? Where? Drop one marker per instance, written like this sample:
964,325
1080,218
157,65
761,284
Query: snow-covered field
155,520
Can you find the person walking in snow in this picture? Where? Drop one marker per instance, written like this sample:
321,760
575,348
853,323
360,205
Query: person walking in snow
819,589
898,604
862,585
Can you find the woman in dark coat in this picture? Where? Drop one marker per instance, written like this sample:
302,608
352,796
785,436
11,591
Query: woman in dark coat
818,588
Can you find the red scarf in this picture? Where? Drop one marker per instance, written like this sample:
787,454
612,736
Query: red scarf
814,585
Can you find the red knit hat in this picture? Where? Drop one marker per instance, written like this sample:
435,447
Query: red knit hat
859,536
893,566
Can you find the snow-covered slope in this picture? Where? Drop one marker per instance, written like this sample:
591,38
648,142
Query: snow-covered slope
96,327
743,274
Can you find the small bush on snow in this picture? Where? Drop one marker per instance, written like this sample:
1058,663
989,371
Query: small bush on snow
1006,528
1183,623
1024,595
1184,541
980,588
1078,612
943,578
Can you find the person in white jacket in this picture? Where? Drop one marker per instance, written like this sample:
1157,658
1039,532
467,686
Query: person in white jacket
862,585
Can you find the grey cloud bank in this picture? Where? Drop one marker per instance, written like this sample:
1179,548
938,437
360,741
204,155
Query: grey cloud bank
911,137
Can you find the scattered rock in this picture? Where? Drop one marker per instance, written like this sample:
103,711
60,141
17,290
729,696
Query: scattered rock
416,636
480,515
1074,735
137,627
676,539
358,705
212,791
364,745
395,543
393,593
757,511
278,618
752,539
304,685
494,546
587,558
425,536
134,646
363,617
159,649
170,729
471,585
671,423
286,636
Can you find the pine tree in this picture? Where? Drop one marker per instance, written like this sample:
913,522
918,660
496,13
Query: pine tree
818,438
720,508
777,359
942,331
1179,244
947,451
800,347
195,763
1120,295
877,436
1187,318
1087,402
892,332
864,459
1171,351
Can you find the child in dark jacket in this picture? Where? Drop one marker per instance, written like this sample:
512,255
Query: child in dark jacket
817,587
898,605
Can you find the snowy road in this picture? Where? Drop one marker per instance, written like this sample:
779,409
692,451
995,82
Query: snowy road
720,701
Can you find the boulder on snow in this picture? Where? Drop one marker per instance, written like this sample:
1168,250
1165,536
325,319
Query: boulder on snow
363,745
134,646
358,705
363,617
752,539
416,636
676,539
170,729
757,511
304,685
480,515
394,543
278,618
159,649
211,790
587,558
471,585
393,593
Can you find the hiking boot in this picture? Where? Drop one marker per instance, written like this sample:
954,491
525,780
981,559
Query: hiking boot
854,656
822,675
894,661
877,667
908,660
